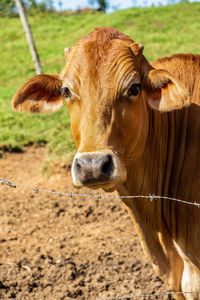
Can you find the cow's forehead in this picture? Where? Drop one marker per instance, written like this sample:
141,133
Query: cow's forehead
100,60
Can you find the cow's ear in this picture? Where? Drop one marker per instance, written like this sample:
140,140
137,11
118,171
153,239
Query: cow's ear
165,92
40,94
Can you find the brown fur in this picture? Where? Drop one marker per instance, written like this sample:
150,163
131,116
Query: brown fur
185,67
158,151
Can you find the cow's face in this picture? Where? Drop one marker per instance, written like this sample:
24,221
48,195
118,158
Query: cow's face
107,84
102,83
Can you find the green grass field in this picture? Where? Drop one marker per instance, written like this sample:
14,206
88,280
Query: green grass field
162,30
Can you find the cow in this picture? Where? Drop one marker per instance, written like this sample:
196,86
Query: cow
136,127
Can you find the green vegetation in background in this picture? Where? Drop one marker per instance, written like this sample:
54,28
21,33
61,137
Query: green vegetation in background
162,30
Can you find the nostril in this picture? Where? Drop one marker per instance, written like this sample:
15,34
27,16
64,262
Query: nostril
108,166
78,167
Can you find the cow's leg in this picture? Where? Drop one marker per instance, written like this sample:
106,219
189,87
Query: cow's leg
190,280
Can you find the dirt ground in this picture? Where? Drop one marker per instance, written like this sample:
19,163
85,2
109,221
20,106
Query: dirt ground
54,247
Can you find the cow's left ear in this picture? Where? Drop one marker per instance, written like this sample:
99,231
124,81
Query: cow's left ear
165,92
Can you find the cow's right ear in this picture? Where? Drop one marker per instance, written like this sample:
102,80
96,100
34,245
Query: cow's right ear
40,94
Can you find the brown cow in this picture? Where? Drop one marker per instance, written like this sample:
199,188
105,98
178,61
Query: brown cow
137,130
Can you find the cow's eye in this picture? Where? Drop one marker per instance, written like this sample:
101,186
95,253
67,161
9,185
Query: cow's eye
66,92
134,90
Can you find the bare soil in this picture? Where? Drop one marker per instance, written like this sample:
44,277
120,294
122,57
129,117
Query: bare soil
54,247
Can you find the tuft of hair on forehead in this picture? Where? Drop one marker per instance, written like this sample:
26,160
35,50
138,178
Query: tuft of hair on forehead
105,34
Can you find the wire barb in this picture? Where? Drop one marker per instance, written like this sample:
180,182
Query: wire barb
151,197
197,204
7,182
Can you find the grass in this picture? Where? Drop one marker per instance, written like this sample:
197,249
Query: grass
162,30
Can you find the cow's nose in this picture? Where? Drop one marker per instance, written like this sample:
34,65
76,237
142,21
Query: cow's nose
94,169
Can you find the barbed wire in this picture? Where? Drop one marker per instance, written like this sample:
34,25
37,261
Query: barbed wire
149,295
71,195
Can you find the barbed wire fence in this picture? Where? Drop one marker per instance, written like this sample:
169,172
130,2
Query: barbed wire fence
71,195
148,295
9,183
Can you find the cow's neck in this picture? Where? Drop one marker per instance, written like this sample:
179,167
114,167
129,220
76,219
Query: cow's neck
163,155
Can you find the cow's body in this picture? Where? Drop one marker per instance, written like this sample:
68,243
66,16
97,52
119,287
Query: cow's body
169,166
125,143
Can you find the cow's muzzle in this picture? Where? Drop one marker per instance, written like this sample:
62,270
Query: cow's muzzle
97,169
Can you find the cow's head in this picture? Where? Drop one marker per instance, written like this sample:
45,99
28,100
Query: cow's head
108,86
